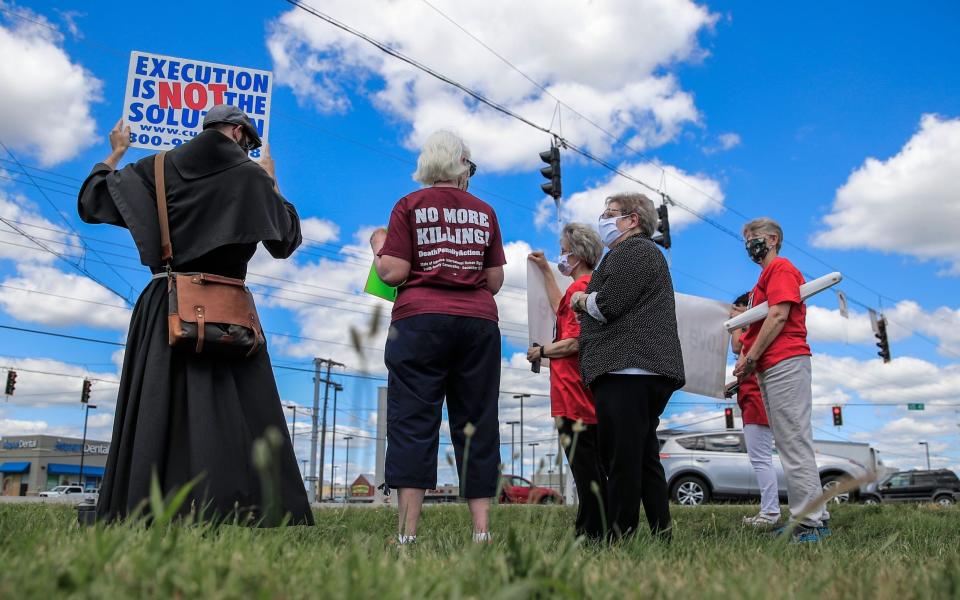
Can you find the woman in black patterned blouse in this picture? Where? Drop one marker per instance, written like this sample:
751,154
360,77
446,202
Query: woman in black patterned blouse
630,358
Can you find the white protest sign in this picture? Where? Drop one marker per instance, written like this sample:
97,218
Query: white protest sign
167,98
541,320
703,338
704,343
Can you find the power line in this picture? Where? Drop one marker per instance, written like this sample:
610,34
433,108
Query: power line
63,217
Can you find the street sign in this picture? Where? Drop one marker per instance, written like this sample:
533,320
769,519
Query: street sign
915,406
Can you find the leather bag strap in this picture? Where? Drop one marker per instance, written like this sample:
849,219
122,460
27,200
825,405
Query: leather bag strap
166,247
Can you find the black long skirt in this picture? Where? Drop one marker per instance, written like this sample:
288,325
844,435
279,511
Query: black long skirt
184,416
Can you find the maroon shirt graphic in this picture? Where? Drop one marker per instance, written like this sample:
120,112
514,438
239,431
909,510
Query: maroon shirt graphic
449,237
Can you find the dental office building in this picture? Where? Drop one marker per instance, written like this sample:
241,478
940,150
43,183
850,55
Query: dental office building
35,463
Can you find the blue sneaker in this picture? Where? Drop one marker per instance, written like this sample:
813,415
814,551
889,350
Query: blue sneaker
802,534
805,535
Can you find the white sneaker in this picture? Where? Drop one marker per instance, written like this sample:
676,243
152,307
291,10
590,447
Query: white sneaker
403,540
761,520
482,537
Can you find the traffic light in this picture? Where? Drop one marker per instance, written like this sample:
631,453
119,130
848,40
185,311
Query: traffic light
11,382
837,416
728,415
551,172
662,236
883,343
85,394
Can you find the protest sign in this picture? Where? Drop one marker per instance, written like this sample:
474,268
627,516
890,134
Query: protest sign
376,287
704,343
703,339
541,320
167,98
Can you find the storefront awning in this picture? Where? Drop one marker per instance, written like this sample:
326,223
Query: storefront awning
59,469
15,467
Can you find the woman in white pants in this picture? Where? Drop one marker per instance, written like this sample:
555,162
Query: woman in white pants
758,436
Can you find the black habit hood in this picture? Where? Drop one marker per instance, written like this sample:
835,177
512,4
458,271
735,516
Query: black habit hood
216,196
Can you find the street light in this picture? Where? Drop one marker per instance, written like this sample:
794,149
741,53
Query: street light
533,451
346,467
513,448
83,445
337,388
927,446
521,397
333,485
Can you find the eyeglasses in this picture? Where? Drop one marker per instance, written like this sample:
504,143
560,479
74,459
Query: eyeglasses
472,167
610,213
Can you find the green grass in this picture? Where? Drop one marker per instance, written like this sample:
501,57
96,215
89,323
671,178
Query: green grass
876,552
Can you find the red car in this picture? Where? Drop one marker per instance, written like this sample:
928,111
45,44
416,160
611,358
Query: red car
517,490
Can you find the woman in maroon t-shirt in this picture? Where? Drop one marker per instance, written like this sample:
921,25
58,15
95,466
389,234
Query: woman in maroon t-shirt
756,433
443,249
571,402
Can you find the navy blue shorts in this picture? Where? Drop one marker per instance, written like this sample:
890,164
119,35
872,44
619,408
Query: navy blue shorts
430,357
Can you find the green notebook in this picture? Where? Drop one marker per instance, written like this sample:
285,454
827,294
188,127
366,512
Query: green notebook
376,287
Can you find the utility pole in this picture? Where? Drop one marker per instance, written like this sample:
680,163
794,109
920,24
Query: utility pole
513,448
521,397
563,489
927,446
533,451
346,468
326,398
317,364
83,445
550,456
337,388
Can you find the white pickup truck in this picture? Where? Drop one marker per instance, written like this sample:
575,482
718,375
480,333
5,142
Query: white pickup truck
62,490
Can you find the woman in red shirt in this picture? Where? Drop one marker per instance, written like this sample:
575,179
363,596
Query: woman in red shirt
756,434
570,400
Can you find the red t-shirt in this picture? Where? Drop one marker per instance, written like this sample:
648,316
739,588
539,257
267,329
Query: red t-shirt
449,237
750,401
568,396
780,282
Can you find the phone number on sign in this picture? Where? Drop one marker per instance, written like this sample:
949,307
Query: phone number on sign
157,141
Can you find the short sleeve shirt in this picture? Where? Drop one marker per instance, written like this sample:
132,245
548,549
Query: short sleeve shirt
780,282
449,237
569,397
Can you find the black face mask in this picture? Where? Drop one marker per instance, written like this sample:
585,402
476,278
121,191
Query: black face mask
757,249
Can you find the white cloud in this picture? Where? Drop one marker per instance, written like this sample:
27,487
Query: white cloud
22,214
36,296
37,388
587,57
587,205
46,96
319,231
906,204
725,141
905,318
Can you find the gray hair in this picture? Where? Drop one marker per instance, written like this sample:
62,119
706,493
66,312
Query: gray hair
442,158
765,226
583,241
636,203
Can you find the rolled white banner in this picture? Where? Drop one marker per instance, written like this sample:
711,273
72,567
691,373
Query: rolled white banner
759,312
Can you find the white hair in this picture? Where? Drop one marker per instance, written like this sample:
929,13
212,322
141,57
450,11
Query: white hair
767,226
442,158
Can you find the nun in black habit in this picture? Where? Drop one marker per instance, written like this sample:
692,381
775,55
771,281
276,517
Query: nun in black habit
182,415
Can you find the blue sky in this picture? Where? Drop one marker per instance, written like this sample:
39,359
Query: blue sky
839,120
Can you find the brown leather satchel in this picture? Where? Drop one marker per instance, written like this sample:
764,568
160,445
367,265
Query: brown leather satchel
209,314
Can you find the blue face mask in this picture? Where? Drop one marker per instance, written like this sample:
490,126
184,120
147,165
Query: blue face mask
608,230
564,265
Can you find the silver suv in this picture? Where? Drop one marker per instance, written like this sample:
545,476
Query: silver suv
714,464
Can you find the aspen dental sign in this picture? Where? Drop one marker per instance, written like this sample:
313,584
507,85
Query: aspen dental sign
167,98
